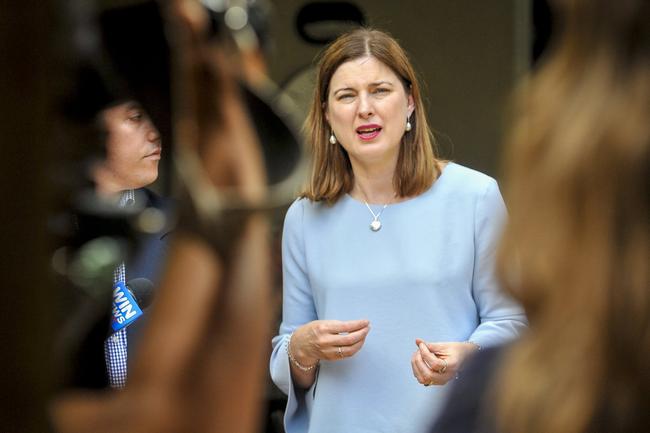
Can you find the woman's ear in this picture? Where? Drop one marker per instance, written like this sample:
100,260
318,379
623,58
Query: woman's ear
324,107
410,105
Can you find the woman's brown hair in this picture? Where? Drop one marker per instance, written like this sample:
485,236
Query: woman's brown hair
331,171
576,249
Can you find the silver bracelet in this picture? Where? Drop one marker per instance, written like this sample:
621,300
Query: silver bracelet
295,362
478,346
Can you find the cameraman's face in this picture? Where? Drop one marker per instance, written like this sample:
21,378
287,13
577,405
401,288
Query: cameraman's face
132,149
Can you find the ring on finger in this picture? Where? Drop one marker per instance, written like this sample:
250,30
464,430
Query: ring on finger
444,367
339,350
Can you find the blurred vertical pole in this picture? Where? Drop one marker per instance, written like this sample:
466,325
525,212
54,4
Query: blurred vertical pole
30,76
523,16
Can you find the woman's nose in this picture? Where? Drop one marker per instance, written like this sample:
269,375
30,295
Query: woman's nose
365,107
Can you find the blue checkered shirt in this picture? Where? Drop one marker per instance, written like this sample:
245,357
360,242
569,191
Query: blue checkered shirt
115,346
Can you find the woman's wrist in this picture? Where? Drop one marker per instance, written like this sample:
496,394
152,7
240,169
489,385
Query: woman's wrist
304,365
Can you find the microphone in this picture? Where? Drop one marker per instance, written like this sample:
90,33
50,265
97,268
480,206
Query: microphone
142,291
128,302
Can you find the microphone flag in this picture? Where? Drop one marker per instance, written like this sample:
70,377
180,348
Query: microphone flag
125,309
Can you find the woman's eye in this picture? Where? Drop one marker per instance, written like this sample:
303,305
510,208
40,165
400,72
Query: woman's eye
346,96
381,90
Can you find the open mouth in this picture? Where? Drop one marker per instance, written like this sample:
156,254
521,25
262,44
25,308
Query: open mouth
368,132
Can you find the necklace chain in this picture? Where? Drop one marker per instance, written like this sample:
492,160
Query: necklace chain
375,225
375,216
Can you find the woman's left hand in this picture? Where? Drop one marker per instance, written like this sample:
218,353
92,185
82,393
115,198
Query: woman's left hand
438,363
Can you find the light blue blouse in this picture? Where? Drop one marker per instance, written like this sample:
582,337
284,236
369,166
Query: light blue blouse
428,273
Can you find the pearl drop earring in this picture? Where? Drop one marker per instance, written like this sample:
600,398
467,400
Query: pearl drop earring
408,124
332,138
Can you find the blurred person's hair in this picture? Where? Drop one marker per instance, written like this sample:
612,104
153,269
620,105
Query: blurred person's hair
576,250
331,173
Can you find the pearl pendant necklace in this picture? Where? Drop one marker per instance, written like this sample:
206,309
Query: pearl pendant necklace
375,225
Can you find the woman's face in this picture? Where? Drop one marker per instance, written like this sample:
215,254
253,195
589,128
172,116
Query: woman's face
367,108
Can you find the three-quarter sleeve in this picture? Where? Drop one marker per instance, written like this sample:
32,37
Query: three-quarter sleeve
501,318
297,309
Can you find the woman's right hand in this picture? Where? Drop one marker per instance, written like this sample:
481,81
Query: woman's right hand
328,339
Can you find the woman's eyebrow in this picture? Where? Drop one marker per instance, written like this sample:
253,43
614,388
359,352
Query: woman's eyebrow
379,83
342,89
373,84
